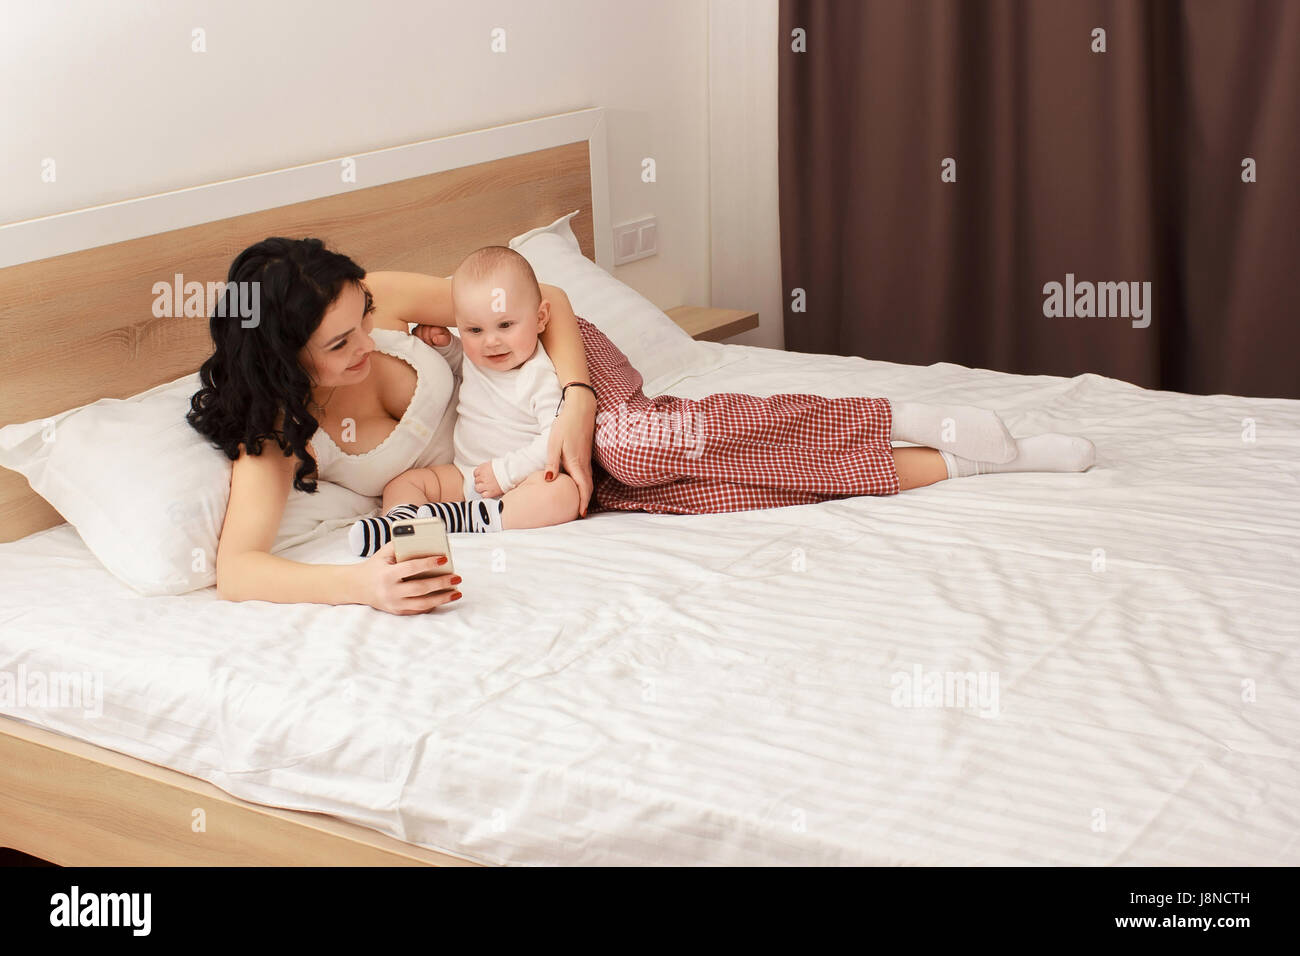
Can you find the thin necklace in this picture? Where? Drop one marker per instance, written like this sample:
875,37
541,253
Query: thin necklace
321,406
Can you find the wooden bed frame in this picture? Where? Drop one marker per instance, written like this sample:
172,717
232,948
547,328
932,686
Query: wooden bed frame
77,325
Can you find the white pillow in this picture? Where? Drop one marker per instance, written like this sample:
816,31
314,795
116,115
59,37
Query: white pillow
654,344
147,493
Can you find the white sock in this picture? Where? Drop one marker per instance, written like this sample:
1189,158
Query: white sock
977,433
1050,452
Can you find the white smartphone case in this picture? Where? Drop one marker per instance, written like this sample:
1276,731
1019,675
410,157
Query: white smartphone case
422,538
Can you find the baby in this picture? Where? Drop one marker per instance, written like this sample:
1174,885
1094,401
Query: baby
508,400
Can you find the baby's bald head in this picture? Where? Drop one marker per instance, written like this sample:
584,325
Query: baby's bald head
500,267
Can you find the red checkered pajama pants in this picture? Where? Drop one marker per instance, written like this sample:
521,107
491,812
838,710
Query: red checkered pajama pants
728,452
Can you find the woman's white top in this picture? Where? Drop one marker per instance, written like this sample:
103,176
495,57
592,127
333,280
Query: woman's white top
423,437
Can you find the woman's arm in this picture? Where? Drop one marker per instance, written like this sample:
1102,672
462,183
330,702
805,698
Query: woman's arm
401,298
404,297
247,571
571,435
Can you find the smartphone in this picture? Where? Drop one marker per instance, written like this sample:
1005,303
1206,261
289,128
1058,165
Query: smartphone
422,538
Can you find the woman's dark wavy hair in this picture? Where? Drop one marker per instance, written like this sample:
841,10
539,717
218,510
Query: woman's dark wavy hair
253,372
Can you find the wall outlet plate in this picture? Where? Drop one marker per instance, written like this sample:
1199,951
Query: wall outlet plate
636,240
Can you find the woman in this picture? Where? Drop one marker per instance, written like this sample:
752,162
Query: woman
310,366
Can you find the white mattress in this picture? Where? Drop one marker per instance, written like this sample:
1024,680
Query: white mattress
650,689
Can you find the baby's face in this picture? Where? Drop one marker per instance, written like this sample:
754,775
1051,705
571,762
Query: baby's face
497,322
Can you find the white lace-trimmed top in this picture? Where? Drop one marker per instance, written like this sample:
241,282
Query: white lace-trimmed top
423,436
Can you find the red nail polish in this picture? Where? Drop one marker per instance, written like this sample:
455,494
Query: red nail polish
549,476
455,596
442,560
456,580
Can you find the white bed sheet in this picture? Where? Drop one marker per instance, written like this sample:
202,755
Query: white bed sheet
641,689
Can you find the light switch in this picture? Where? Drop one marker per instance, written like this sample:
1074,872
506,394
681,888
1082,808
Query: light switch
636,240
627,245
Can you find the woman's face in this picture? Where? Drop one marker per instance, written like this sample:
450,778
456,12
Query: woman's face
338,352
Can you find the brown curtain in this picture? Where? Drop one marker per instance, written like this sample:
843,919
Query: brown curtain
1122,166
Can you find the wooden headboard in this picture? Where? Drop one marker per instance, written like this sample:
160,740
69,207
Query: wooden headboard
77,323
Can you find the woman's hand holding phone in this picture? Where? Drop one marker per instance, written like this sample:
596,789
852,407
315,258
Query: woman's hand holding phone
382,586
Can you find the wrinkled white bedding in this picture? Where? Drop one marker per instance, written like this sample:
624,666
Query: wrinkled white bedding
725,688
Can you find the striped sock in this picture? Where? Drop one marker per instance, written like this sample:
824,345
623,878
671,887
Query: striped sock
480,516
368,535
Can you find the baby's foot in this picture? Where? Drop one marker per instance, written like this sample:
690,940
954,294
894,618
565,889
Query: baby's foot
368,535
481,516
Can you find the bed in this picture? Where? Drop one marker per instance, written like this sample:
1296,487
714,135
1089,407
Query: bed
1011,669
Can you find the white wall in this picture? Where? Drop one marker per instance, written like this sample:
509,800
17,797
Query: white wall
745,222
115,95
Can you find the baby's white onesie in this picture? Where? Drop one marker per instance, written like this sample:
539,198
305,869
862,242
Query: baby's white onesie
503,417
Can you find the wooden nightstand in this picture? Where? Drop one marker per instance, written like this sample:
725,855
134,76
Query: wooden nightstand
713,325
